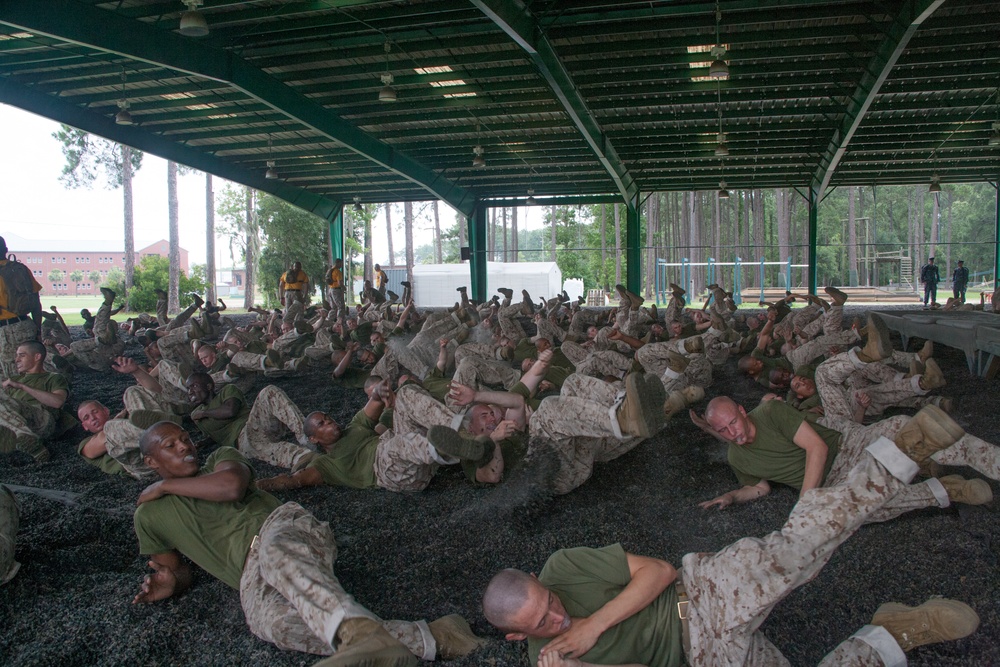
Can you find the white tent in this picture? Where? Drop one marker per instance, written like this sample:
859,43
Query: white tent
435,284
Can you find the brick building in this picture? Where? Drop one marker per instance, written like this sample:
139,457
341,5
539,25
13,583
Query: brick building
94,259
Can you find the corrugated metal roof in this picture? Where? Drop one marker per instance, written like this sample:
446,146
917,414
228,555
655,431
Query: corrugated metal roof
586,97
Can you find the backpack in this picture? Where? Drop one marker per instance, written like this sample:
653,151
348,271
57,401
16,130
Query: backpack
21,295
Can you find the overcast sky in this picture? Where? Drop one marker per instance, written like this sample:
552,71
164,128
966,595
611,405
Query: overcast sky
36,205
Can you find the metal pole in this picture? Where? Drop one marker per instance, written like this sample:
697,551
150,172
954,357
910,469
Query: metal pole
788,275
685,281
761,278
996,239
633,253
813,221
477,248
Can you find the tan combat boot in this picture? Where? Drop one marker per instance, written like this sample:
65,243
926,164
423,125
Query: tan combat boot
932,377
641,414
454,637
929,431
879,346
967,491
365,643
936,620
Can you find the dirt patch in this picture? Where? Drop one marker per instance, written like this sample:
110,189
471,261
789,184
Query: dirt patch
429,554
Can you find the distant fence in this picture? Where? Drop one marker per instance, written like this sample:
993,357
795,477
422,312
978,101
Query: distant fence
667,272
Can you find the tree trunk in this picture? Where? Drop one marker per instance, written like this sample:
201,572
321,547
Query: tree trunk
652,219
513,234
781,212
388,229
366,220
463,227
173,300
129,222
250,286
947,266
438,257
618,244
503,256
935,214
552,214
852,240
408,226
210,294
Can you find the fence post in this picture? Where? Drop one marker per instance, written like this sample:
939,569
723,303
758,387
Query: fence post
761,278
737,279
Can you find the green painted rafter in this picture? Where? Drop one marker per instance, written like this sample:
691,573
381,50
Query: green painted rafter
898,35
513,18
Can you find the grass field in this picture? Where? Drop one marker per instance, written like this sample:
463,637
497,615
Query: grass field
70,306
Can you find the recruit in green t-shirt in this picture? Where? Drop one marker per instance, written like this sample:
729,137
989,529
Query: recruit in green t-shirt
351,460
105,462
773,454
770,363
585,580
215,536
225,432
49,382
512,449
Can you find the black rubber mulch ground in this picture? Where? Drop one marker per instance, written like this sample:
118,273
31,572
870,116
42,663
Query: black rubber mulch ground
429,554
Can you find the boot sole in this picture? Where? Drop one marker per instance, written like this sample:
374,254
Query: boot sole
878,328
969,491
448,442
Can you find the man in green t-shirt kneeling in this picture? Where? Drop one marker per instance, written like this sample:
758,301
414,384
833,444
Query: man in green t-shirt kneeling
280,558
608,607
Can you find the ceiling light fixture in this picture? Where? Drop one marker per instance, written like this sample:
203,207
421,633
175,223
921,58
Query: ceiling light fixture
357,205
935,186
531,197
721,148
478,161
123,117
723,190
388,93
718,69
271,174
193,23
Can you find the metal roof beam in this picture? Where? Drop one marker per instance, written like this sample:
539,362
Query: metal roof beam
63,112
515,20
106,31
904,26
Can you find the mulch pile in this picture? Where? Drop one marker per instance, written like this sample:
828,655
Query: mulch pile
429,554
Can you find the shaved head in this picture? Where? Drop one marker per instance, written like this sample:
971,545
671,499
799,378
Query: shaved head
721,407
505,596
152,435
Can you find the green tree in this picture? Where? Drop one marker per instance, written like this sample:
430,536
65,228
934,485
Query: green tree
240,223
293,235
55,275
95,277
152,273
77,278
89,159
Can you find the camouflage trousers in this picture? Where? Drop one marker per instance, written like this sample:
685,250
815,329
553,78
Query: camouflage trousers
94,354
575,352
291,596
161,312
181,318
546,329
807,352
337,305
122,442
140,398
732,591
292,344
581,427
406,462
294,307
30,424
484,374
11,337
9,520
272,416
581,321
698,373
839,400
477,350
105,331
604,364
631,322
830,322
602,342
509,324
398,359
416,411
176,347
675,307
655,358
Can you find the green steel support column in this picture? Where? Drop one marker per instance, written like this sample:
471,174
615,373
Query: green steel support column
337,235
996,239
477,244
633,241
813,217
